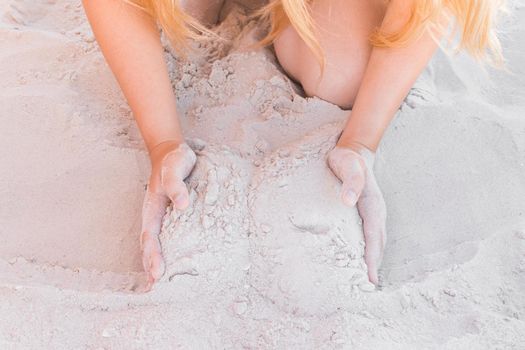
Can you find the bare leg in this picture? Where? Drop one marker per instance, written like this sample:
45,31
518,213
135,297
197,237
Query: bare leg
206,11
343,28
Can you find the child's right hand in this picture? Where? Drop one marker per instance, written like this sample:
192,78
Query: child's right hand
171,163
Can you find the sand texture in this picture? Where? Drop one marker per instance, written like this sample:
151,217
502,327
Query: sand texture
266,256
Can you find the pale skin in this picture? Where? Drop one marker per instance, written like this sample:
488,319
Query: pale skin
372,81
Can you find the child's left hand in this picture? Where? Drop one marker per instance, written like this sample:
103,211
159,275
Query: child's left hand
355,169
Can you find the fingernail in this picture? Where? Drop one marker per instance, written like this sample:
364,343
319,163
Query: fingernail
149,285
350,198
372,276
181,200
158,270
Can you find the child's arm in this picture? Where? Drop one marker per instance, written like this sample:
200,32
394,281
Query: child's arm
130,42
389,75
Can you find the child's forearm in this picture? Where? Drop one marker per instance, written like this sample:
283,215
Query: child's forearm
389,75
130,42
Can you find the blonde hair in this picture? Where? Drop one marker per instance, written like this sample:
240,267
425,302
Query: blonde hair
175,23
474,20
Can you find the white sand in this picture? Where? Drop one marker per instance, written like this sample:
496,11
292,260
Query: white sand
266,257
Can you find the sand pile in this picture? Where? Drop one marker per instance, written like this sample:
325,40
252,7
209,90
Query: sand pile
266,256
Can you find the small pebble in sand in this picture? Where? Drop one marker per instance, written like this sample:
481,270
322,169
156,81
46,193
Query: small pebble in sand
449,292
240,307
109,332
283,153
217,76
277,81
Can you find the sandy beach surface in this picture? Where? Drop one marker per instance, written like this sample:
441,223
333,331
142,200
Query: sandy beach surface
266,257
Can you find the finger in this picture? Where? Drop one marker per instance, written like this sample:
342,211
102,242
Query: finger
153,211
373,213
353,184
372,259
374,246
152,260
176,166
176,190
372,274
372,209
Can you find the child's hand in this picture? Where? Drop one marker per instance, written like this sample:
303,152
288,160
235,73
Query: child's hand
354,169
171,164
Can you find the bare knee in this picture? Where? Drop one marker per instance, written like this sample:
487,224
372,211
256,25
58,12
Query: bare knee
338,87
346,55
338,82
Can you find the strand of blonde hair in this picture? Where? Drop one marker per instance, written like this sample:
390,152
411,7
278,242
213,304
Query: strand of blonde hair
473,20
175,23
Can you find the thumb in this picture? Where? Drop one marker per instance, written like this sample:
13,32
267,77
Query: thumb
176,166
177,191
353,185
373,256
349,167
